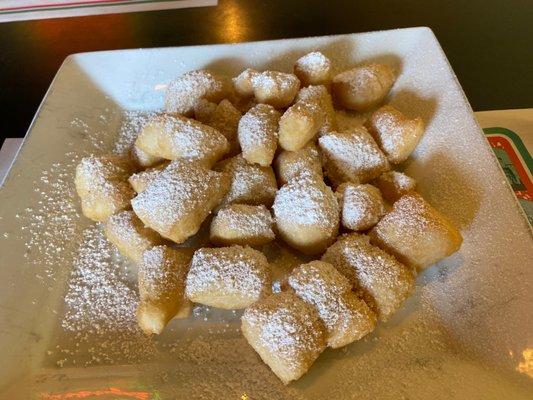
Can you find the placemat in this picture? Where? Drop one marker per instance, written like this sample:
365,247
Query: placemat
18,10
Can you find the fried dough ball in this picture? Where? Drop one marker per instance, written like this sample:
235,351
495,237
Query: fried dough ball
300,124
307,214
243,83
162,273
361,206
228,277
396,134
250,183
141,180
178,200
320,96
143,159
174,137
416,233
130,236
242,224
101,184
286,332
394,184
292,164
382,281
352,156
275,88
258,134
184,92
346,317
363,87
313,69
225,119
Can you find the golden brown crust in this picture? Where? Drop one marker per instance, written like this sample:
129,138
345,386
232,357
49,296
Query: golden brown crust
416,233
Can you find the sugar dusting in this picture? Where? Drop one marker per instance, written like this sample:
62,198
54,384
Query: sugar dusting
234,272
97,324
245,222
306,201
381,280
52,224
258,128
250,183
352,156
288,328
314,63
133,123
362,206
321,285
413,351
100,305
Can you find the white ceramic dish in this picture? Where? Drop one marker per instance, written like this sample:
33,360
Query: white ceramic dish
465,334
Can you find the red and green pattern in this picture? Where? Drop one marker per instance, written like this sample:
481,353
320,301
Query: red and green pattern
516,163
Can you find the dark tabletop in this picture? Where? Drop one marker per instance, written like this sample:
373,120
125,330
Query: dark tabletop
489,43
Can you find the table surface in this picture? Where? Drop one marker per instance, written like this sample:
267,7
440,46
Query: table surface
488,43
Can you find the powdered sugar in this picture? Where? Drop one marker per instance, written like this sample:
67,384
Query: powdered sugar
184,190
100,303
52,225
383,282
173,137
258,127
132,124
243,224
225,118
130,235
258,132
275,88
141,180
346,317
319,95
289,332
396,134
243,82
306,201
185,91
352,156
313,63
250,183
162,273
362,206
467,291
394,184
237,275
321,285
291,164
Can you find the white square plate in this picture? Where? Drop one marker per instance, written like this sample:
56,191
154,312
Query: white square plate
465,334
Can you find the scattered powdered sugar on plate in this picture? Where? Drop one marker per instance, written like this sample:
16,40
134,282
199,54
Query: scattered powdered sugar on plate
132,124
51,225
101,302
